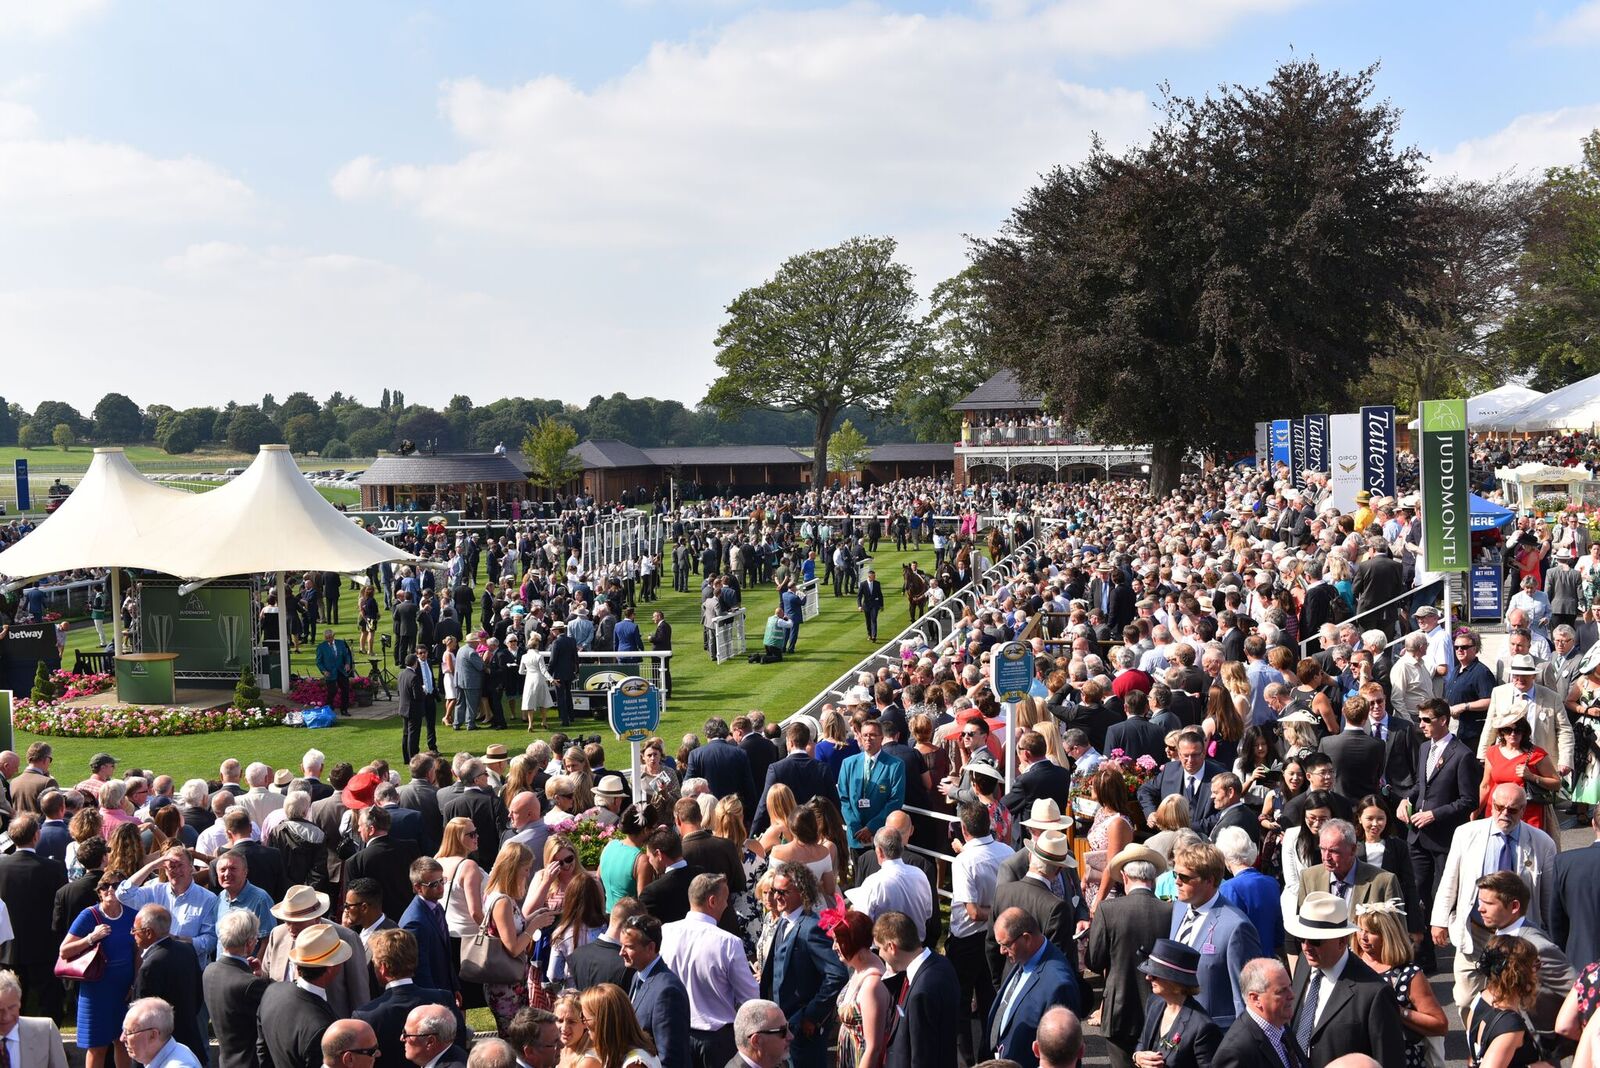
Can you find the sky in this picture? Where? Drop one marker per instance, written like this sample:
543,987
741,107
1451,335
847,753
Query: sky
559,198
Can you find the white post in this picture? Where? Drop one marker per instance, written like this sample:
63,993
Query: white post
283,633
115,608
638,774
1011,747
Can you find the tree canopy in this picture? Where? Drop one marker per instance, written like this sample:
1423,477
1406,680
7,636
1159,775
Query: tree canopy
548,448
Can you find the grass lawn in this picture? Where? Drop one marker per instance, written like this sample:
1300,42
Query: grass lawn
144,457
828,645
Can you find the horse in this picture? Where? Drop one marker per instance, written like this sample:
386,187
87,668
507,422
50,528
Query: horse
947,578
914,584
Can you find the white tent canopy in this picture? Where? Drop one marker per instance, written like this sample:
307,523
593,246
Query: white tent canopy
1485,409
108,521
1574,407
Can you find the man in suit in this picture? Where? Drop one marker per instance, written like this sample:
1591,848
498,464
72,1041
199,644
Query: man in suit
28,885
30,1041
435,1044
1260,1037
563,669
1501,843
232,989
1502,906
482,806
293,1017
1574,922
169,970
1037,777
1546,713
53,833
1190,774
1046,891
1120,935
384,858
1227,800
761,1035
1341,1005
1036,977
302,908
1204,920
762,753
394,958
927,993
801,972
34,780
1357,756
336,666
872,784
1378,580
264,864
661,642
421,794
799,771
707,851
405,626
869,602
1340,874
424,918
724,765
405,824
470,670
1443,795
659,998
600,961
416,687
667,896
1401,743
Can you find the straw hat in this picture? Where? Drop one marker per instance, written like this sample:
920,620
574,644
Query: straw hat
319,946
496,754
858,695
1299,715
1173,961
611,786
1505,717
984,768
1321,916
1052,846
1522,664
1133,852
1046,816
283,777
301,903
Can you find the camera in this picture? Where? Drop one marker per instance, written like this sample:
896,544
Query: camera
386,639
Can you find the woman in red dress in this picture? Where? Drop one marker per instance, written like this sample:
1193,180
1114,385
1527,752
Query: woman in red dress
1513,758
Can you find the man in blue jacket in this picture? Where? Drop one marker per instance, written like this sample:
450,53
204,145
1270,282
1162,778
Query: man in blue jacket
872,784
660,1000
337,666
802,973
1036,977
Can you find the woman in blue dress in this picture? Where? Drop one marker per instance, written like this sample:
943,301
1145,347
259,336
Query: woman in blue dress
103,1002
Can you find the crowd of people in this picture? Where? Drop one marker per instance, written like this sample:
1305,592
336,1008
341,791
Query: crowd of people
1254,805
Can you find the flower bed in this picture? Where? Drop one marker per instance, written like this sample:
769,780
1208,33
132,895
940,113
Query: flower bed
70,686
313,693
138,721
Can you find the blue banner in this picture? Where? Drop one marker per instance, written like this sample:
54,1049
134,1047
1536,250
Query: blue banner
1377,449
1486,590
24,498
1317,455
1297,450
1011,671
1280,442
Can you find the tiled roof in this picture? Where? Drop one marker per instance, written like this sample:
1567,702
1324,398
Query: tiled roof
608,453
1002,390
448,469
914,453
737,455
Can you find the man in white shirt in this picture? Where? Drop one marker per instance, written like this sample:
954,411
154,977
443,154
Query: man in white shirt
896,886
147,1036
259,801
972,881
1409,680
712,966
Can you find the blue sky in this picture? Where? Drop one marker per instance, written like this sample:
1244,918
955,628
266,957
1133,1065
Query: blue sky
202,201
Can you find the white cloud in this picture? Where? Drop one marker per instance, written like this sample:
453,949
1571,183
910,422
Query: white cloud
54,182
1579,26
1527,144
45,18
16,120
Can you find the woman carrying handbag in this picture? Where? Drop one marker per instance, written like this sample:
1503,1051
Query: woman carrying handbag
497,956
99,952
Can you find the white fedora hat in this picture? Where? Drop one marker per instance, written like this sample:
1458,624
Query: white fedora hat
1321,916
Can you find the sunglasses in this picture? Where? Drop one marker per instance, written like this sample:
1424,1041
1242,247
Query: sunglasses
368,1051
1465,648
1186,877
784,1030
1426,719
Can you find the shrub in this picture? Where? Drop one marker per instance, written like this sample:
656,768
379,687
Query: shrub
247,694
336,450
44,690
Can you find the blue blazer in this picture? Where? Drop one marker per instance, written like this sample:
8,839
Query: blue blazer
1197,1037
803,974
805,777
1259,897
726,768
433,951
405,824
1227,941
53,839
662,1006
1052,983
1169,780
883,795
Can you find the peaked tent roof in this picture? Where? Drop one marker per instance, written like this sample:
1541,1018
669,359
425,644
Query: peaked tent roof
1574,407
1001,390
268,519
1486,408
107,522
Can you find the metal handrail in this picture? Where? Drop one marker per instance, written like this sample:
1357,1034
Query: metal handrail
1304,642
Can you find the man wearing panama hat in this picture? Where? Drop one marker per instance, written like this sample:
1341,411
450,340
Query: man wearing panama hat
1121,934
294,1015
1341,1005
1046,891
301,909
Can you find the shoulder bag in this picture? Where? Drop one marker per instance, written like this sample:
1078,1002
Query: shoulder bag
86,967
484,958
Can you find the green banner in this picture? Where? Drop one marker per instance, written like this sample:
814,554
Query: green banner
5,720
210,629
1446,523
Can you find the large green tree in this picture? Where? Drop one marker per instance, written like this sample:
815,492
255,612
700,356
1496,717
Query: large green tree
249,429
952,361
1555,330
1242,265
547,447
848,450
832,328
117,420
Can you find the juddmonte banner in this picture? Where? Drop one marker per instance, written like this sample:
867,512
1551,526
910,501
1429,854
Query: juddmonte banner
210,629
1317,443
1377,449
1446,520
1297,451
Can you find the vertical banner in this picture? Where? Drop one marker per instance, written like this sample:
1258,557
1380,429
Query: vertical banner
1280,443
1446,536
1377,449
1344,460
1297,450
1263,447
1317,443
24,497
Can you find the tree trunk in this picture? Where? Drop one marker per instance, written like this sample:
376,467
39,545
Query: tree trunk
819,455
1166,464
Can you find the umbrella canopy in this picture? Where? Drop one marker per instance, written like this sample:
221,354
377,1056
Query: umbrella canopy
110,520
1487,515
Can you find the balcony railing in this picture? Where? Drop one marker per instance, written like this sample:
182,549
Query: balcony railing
1056,434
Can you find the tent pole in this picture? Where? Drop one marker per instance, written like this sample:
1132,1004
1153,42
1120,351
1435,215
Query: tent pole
283,633
115,610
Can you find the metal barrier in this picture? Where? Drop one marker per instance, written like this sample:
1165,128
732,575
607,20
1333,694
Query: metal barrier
727,636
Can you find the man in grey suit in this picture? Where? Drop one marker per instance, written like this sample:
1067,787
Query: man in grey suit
1120,936
38,1042
469,687
1563,585
1503,899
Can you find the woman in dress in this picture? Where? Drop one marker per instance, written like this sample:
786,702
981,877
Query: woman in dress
1384,946
658,778
367,621
463,892
569,1025
503,905
1498,1032
535,687
1177,1031
929,832
1300,844
987,791
835,744
1223,724
1583,702
447,672
103,1002
581,919
727,822
1113,828
1382,844
1513,758
621,858
809,849
866,1010
551,882
780,810
618,1040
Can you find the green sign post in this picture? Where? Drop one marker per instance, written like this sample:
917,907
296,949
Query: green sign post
1446,536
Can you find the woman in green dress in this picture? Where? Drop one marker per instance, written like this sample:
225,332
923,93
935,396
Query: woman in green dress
1583,701
621,858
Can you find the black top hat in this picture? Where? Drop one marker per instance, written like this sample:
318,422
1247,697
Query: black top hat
1173,961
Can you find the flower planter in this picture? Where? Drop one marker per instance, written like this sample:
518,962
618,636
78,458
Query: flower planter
363,698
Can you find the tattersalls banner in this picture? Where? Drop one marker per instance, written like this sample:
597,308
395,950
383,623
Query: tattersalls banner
1317,443
1377,449
1446,522
1297,451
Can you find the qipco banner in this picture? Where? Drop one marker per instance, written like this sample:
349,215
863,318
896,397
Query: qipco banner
1377,449
1344,460
1446,521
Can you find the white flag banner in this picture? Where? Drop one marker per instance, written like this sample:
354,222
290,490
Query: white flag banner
1344,452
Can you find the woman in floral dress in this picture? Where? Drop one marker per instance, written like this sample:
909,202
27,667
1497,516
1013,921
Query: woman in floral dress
1383,945
866,1011
1112,828
727,821
1583,701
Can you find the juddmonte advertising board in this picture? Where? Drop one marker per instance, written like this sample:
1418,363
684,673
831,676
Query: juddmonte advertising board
210,629
1446,522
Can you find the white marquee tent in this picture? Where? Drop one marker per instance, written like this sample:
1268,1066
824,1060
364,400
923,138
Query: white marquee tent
1574,407
1487,408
